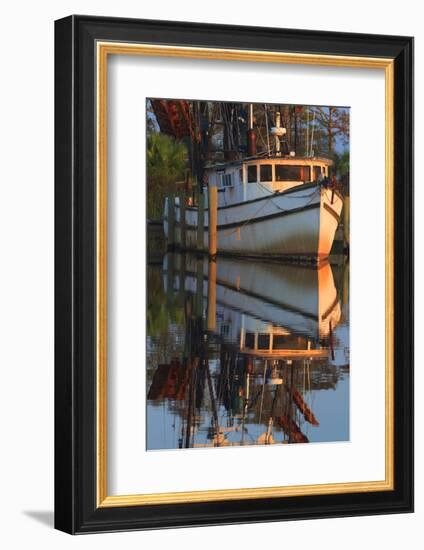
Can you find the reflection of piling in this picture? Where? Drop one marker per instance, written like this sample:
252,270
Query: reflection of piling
182,275
182,205
346,212
171,221
199,288
213,219
345,299
170,277
212,295
200,221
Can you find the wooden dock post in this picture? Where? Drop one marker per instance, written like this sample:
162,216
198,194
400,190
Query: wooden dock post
171,221
213,219
211,323
200,221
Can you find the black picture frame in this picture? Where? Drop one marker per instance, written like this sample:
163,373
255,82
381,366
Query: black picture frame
76,510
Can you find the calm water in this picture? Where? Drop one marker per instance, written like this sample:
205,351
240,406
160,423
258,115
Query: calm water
245,353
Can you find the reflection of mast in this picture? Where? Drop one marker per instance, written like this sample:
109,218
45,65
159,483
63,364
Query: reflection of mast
271,416
303,407
190,405
292,429
286,421
253,328
213,402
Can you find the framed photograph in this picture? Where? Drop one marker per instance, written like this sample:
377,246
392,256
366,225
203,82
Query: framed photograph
234,274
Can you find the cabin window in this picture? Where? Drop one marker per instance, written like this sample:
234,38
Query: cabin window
226,180
266,172
263,341
282,341
252,174
317,172
225,330
249,340
241,175
292,173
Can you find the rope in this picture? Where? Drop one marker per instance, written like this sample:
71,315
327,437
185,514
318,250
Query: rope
249,220
231,231
289,196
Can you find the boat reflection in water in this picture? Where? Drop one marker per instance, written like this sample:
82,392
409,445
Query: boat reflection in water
246,353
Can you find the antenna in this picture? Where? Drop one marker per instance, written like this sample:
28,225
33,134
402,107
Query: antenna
278,132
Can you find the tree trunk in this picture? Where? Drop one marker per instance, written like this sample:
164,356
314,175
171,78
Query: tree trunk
330,130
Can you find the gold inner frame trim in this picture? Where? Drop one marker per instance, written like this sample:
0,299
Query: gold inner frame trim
103,50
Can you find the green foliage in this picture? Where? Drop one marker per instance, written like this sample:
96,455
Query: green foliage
160,312
166,163
165,321
341,164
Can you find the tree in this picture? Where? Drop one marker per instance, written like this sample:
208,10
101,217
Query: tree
332,124
166,164
341,163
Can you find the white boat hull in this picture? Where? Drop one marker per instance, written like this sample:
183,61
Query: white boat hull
298,223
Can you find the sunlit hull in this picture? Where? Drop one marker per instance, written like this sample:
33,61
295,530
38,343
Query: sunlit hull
301,300
300,223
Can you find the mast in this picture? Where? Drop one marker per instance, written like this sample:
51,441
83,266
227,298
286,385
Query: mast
251,135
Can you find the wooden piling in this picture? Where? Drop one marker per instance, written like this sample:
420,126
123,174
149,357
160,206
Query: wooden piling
213,219
200,222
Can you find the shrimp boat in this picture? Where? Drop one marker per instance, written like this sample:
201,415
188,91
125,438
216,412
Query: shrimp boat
273,205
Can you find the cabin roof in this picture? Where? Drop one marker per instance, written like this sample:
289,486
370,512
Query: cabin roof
267,158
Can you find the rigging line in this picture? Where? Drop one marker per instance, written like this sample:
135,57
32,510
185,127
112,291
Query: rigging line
312,132
246,222
311,195
289,196
262,138
307,131
263,391
254,399
249,220
267,129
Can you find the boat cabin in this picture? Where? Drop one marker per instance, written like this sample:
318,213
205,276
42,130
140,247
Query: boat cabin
252,178
278,343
